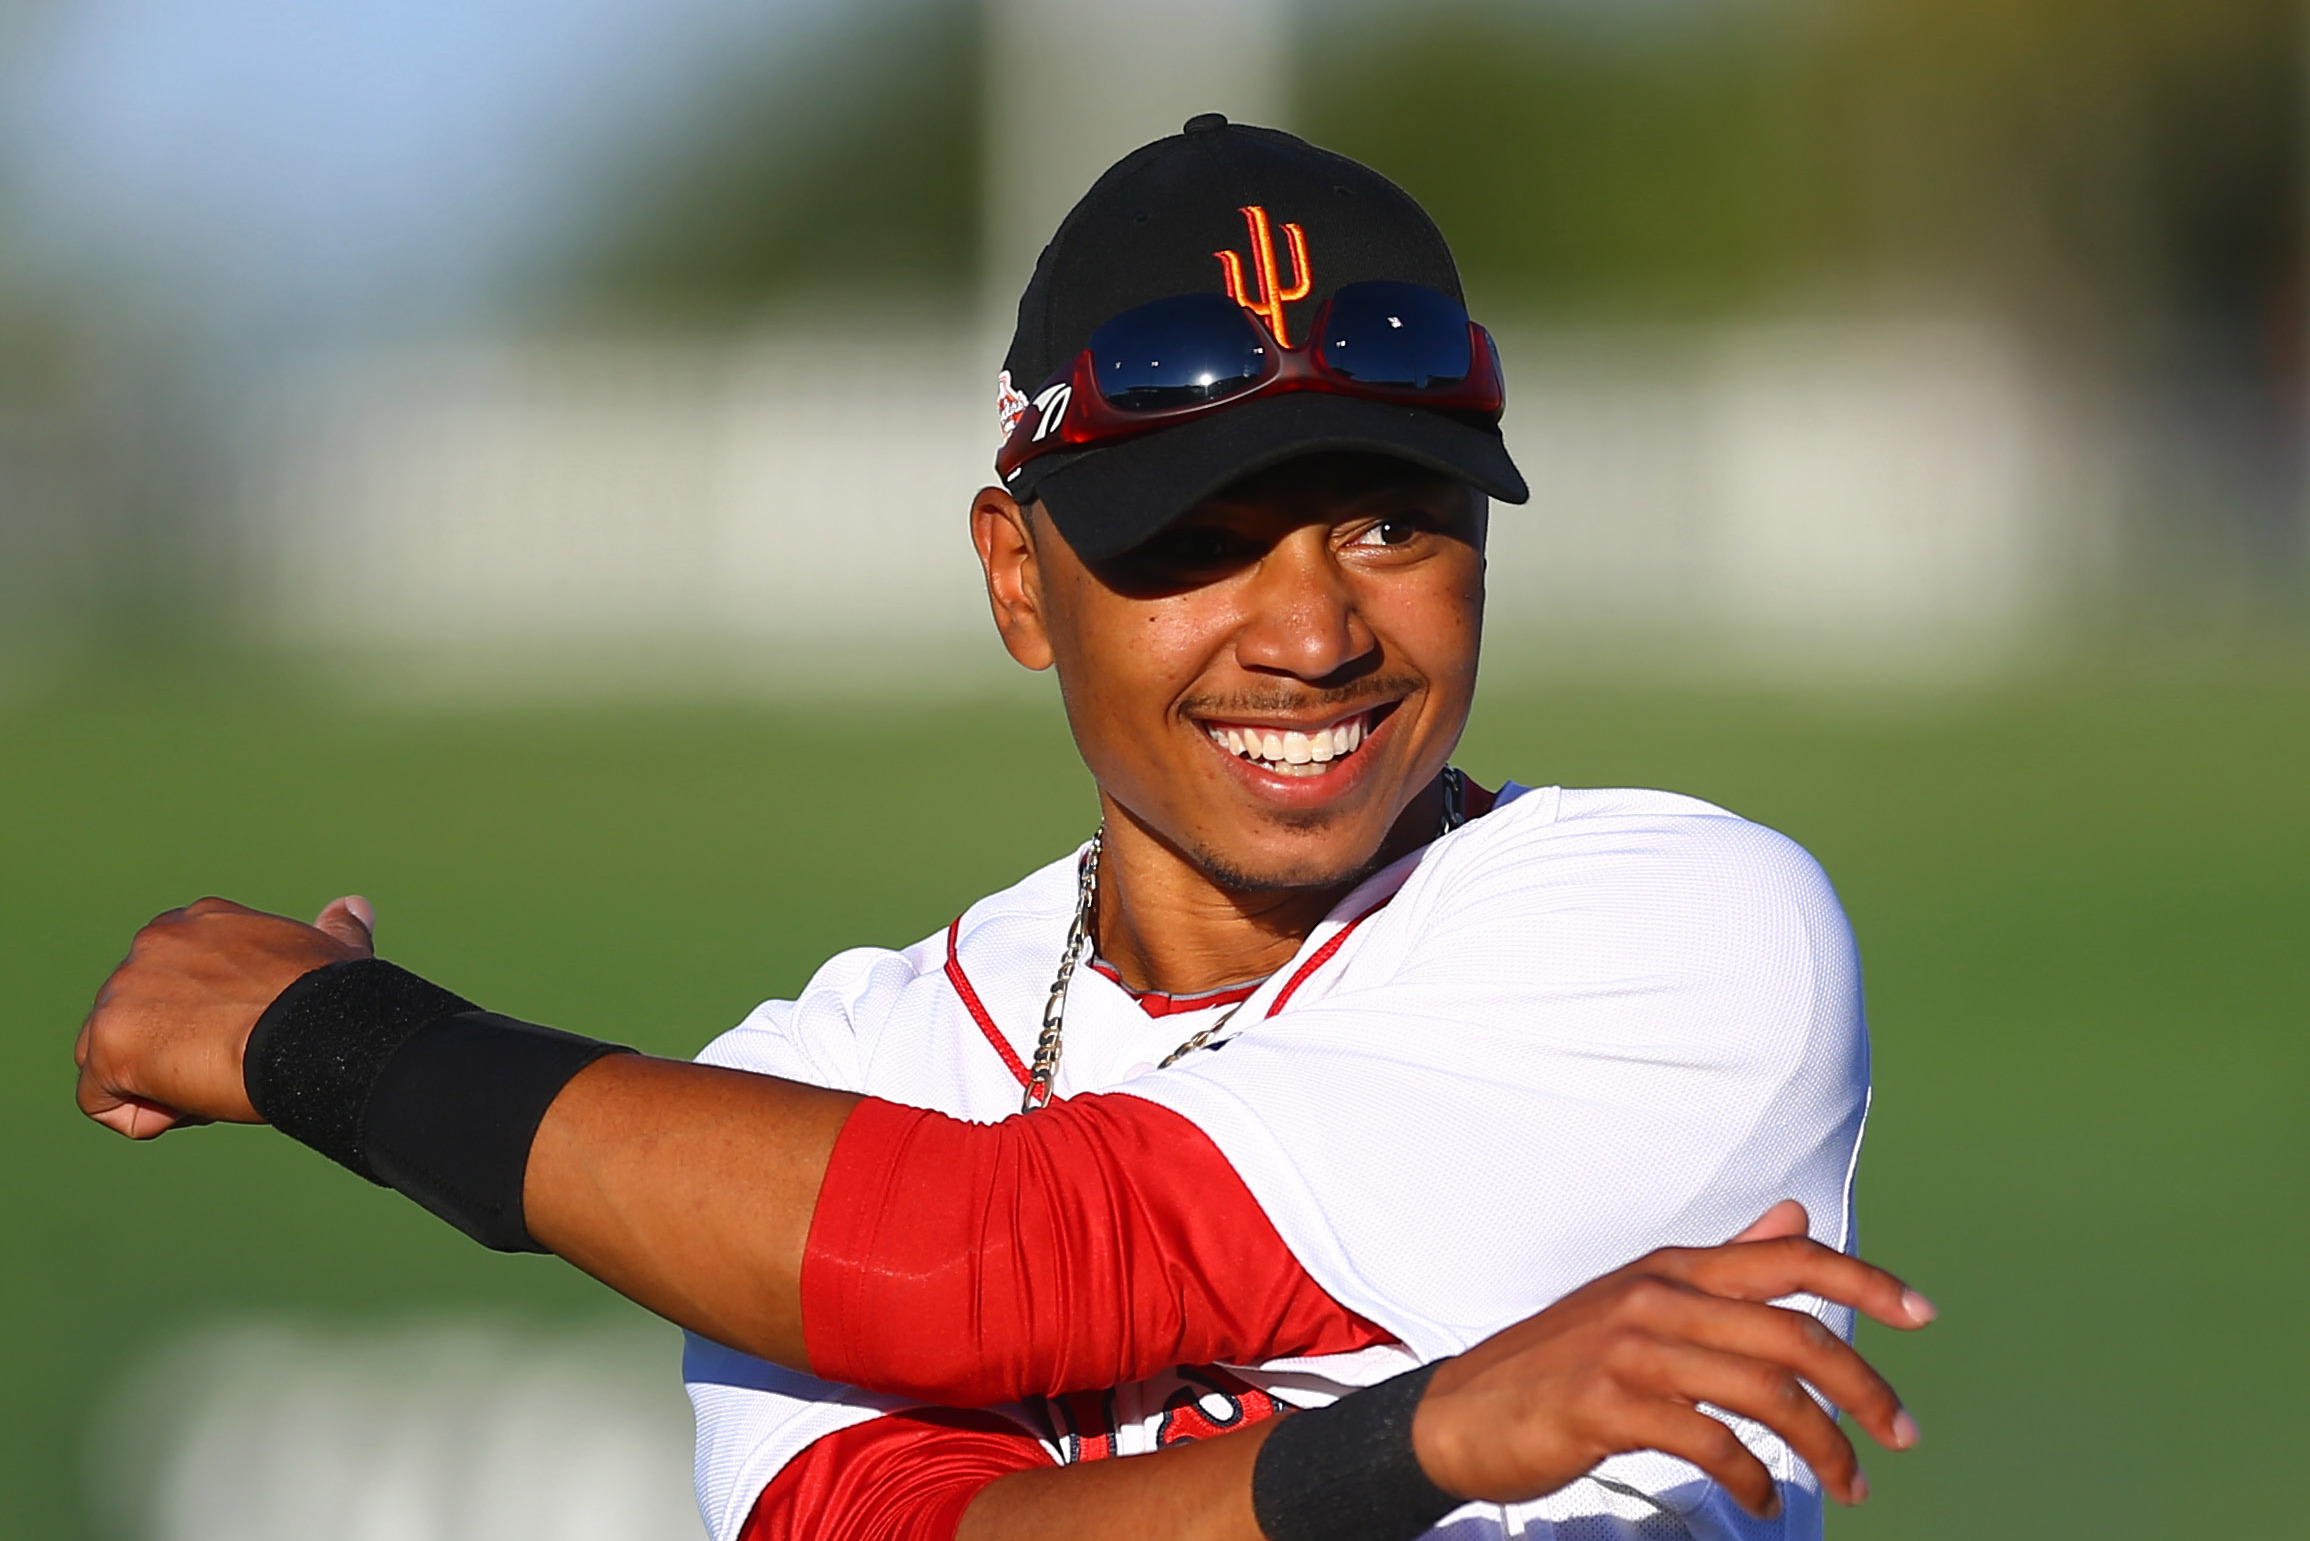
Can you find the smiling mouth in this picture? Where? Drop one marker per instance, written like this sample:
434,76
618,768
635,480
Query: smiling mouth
1296,752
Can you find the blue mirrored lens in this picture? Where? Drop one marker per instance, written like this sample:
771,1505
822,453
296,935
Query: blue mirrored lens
1178,352
1385,333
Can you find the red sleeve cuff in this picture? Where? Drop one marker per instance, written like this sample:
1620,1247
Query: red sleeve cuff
1088,1245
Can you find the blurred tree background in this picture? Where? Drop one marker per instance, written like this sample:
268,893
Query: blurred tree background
852,165
2120,184
2089,165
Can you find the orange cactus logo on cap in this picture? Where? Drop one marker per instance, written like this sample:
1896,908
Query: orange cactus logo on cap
1272,295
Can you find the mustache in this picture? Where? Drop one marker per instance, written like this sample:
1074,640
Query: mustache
1282,703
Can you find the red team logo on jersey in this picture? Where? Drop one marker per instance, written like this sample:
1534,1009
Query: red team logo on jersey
1272,294
1198,1403
1212,1402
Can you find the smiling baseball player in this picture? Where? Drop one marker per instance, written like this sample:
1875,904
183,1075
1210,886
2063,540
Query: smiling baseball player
1318,1080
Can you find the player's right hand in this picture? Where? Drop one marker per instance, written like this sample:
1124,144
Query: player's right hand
1623,1363
162,1046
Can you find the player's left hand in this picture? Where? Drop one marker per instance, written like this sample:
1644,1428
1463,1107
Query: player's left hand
162,1046
1629,1360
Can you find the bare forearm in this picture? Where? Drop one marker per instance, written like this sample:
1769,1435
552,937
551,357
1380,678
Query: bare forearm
689,1190
1194,1492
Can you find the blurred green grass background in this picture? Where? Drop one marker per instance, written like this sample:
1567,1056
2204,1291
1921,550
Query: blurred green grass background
2082,906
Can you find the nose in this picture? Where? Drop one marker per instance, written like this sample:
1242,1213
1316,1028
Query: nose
1302,617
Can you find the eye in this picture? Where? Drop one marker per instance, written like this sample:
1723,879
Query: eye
1399,530
1199,545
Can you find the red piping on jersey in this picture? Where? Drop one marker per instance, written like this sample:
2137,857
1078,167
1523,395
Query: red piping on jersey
976,1007
1322,956
1153,1003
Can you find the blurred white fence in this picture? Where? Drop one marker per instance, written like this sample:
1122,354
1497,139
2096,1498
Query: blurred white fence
793,500
1897,497
438,1432
1814,501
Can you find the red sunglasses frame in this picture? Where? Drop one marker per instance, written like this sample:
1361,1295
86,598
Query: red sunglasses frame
1082,417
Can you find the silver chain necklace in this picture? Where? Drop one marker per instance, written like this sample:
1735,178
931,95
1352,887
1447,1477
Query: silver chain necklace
1045,1068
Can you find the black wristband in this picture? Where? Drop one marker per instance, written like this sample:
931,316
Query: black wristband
415,1088
318,1050
1347,1472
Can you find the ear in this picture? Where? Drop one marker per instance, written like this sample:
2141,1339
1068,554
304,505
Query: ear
1006,546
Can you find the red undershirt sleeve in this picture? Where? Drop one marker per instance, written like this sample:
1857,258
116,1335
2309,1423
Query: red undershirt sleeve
903,1477
1089,1245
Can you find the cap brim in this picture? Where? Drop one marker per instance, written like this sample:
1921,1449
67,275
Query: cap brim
1105,501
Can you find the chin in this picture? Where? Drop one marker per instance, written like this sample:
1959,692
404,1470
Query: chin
1330,864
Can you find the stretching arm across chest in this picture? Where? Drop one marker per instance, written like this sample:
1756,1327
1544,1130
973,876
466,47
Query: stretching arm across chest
1092,1243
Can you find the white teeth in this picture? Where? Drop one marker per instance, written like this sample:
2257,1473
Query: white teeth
1292,753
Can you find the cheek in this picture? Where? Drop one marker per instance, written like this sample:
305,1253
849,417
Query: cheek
1121,665
1433,618
1132,653
1174,641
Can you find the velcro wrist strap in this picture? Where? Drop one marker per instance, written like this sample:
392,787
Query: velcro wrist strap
415,1088
1347,1472
318,1050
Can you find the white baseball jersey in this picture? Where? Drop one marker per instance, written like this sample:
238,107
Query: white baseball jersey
1586,1025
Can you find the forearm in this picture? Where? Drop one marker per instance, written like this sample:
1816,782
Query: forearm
1355,1470
1192,1492
689,1190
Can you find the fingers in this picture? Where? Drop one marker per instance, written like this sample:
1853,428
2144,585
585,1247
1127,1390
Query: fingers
200,909
142,1120
130,1116
351,920
1713,1447
1793,1343
161,1048
1628,1361
1769,1394
1794,1265
1787,1218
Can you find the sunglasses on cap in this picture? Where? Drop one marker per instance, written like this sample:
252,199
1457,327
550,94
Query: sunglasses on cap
1169,360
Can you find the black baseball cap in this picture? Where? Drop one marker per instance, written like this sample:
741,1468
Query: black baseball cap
1148,230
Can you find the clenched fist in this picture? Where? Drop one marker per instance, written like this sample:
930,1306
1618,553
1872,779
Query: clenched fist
162,1046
